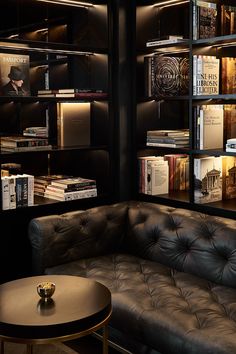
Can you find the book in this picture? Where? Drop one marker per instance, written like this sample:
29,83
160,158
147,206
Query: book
228,20
5,193
143,176
228,76
206,75
73,124
21,141
72,183
178,171
76,93
204,19
26,148
158,177
81,194
229,121
167,41
228,177
207,179
12,192
169,76
169,132
14,74
211,122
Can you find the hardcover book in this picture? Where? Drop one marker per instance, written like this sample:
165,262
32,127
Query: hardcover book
73,124
228,20
229,121
228,75
169,75
207,179
207,19
206,74
158,177
14,74
228,177
211,122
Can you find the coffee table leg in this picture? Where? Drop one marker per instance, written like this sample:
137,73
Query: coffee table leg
105,340
29,349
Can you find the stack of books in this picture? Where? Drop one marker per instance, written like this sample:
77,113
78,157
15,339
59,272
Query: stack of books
73,92
41,183
41,132
71,189
168,138
21,143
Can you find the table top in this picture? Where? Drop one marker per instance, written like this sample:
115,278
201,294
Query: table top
78,304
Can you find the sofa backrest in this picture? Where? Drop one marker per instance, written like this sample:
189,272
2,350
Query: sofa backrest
58,239
185,240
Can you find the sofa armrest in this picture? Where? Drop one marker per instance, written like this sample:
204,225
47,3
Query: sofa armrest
59,239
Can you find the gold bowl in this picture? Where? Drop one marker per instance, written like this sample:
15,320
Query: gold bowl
46,289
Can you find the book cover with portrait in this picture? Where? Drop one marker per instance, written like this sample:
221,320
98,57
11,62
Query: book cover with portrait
14,74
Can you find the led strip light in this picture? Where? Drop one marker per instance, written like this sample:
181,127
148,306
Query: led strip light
68,3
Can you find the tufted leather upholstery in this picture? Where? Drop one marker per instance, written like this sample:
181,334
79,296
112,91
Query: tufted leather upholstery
172,272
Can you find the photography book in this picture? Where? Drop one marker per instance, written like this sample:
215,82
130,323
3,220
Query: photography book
14,74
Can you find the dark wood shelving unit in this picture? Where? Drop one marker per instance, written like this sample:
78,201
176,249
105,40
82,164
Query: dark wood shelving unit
153,113
76,45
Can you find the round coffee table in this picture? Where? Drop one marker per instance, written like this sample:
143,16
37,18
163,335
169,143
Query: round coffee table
78,307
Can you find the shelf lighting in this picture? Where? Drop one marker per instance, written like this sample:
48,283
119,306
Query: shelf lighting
68,3
25,47
168,3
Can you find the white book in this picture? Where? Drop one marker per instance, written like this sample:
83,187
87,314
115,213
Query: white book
143,171
208,74
208,179
159,178
211,127
12,192
5,193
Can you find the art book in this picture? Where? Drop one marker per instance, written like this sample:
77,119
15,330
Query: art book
14,74
204,19
228,177
207,179
169,75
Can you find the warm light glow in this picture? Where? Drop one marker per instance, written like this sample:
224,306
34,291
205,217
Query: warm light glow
168,3
68,3
20,46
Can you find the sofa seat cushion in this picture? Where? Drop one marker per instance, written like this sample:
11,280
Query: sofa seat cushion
172,311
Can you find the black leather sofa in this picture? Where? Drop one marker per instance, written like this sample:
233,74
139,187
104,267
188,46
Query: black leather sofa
171,272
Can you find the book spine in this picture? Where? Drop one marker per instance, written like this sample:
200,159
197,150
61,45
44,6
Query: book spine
5,193
12,192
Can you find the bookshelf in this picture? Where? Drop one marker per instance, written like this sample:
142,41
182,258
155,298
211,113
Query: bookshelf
67,47
153,111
